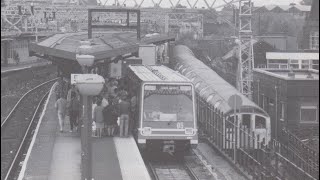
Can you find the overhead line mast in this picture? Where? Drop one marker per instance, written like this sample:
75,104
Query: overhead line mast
246,58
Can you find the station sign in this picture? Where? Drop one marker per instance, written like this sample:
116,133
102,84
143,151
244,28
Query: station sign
235,101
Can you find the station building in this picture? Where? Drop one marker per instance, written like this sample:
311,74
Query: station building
291,98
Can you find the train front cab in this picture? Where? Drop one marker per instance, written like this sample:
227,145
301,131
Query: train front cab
257,123
167,122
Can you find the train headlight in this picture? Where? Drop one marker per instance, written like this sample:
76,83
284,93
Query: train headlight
189,131
146,131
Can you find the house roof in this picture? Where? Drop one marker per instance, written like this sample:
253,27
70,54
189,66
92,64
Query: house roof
285,8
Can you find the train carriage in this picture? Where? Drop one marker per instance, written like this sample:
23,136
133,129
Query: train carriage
213,90
166,118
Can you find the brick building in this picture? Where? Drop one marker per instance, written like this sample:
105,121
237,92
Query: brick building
291,99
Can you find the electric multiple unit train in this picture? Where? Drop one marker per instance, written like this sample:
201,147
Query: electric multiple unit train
214,90
165,108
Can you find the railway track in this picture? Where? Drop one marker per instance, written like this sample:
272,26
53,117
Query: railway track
189,167
172,171
18,126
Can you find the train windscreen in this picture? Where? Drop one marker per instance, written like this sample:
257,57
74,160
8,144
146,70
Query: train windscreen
168,103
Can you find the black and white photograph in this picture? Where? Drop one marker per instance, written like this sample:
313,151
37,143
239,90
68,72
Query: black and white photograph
159,89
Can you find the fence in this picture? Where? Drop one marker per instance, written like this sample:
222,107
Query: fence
305,151
259,159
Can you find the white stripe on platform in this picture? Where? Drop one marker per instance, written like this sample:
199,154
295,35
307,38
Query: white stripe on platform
130,160
16,69
25,162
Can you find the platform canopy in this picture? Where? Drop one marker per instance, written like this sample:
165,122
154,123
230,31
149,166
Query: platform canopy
105,45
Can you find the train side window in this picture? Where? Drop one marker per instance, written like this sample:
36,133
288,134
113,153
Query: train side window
260,122
246,120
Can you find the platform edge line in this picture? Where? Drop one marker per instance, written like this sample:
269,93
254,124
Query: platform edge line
24,166
116,141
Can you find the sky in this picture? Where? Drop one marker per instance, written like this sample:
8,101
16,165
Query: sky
201,3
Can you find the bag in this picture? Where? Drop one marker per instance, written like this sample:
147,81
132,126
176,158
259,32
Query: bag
118,121
94,129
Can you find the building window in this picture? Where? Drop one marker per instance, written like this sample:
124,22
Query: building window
314,40
273,66
315,64
294,64
278,63
305,64
308,114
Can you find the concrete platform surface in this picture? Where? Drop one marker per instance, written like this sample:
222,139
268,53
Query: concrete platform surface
105,164
66,158
57,156
131,163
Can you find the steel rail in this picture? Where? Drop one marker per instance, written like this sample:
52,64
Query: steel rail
18,152
153,171
183,164
22,98
190,171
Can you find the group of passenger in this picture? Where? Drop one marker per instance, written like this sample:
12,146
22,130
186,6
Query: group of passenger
67,104
111,110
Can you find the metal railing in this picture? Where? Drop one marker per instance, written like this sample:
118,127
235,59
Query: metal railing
257,158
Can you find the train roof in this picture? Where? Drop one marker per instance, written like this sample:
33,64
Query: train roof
157,73
210,86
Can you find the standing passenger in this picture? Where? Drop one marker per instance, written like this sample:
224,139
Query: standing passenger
61,107
104,101
74,111
98,118
124,110
109,116
133,103
73,89
58,88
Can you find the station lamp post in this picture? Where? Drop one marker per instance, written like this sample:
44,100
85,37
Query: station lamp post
88,85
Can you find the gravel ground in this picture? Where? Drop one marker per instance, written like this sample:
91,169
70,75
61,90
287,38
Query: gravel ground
15,86
222,167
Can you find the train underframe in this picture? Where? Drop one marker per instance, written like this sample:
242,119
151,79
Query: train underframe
172,146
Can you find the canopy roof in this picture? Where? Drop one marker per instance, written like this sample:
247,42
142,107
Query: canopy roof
105,45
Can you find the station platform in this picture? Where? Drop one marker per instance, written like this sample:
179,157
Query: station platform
6,69
54,155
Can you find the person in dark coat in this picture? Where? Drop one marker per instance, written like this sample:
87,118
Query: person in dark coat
74,111
109,116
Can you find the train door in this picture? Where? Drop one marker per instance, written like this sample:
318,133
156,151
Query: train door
260,129
245,131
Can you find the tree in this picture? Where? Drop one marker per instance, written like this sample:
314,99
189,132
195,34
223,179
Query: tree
306,2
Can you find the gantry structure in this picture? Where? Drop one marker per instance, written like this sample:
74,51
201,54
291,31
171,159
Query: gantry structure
47,17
